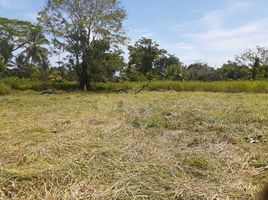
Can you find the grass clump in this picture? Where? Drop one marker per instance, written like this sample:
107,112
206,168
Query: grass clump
198,162
198,166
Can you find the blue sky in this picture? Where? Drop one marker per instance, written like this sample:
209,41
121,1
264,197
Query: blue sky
211,31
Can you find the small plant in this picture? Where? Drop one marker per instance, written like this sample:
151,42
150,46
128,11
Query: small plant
198,162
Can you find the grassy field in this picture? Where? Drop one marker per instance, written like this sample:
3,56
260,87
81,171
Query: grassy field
154,145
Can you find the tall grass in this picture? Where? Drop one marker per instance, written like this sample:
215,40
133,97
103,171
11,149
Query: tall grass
221,86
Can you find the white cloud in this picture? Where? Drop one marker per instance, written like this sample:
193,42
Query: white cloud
212,40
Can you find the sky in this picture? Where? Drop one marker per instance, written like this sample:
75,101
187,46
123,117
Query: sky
211,31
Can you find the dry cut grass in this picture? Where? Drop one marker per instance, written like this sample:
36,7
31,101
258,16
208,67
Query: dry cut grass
154,145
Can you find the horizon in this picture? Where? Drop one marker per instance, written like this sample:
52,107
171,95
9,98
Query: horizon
195,31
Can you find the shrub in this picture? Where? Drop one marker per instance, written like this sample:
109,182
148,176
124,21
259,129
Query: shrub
18,84
66,86
37,85
4,89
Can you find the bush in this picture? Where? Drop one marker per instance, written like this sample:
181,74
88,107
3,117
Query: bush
4,89
66,86
18,84
37,85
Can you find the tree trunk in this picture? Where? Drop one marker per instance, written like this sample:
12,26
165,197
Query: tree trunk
266,72
84,77
254,73
255,67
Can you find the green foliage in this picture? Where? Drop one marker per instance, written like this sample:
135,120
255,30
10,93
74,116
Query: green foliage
168,66
35,84
201,72
143,55
29,71
13,36
255,59
28,41
20,84
235,71
55,77
147,59
174,73
3,68
248,57
103,62
66,85
6,51
132,75
4,88
113,62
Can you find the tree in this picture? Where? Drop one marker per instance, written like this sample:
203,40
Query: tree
113,63
77,24
143,55
35,50
174,72
256,59
265,67
151,61
255,67
20,64
132,74
201,72
234,71
169,66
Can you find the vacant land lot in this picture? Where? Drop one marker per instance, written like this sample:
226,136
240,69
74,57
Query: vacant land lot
154,145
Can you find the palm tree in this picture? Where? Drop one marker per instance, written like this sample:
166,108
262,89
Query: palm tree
21,66
35,51
20,61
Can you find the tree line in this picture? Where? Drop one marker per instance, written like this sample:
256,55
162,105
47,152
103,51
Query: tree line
89,34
